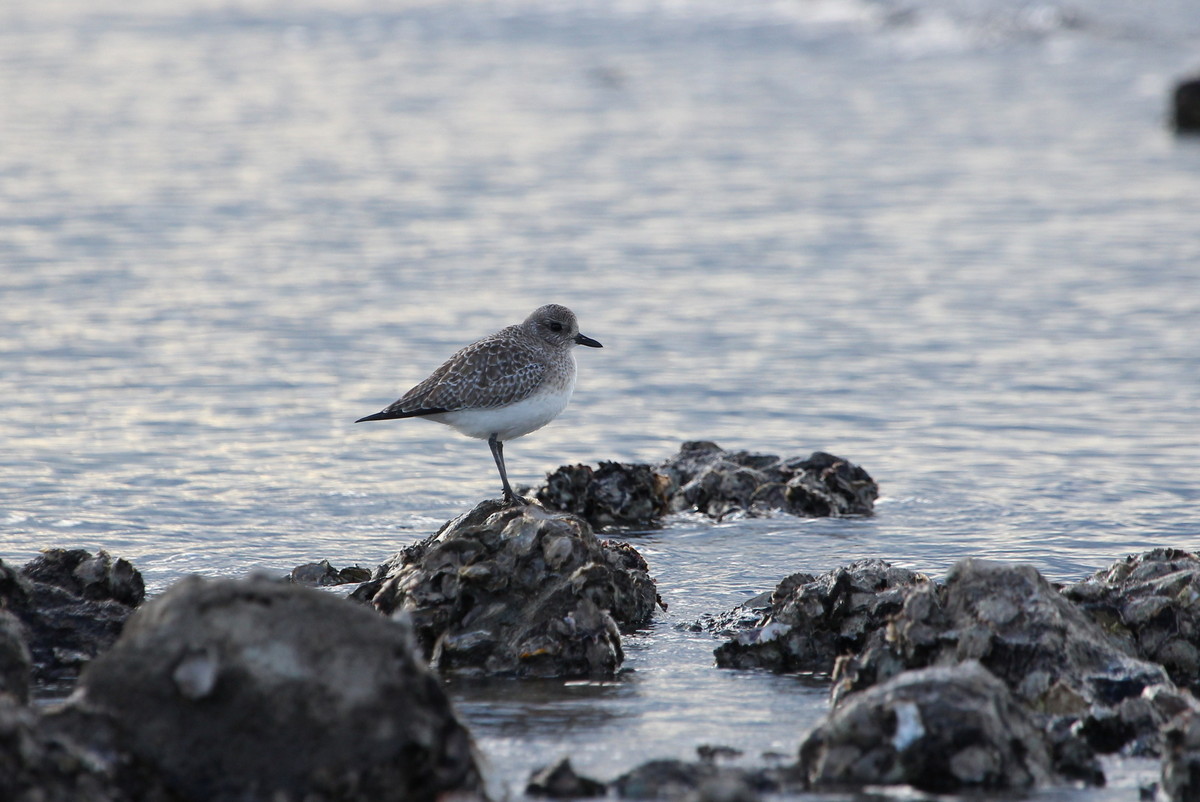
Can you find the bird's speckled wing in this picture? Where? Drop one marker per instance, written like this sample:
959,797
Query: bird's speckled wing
493,372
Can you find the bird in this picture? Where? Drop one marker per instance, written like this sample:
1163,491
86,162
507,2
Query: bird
503,386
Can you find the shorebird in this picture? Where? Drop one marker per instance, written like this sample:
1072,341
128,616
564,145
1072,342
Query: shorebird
501,387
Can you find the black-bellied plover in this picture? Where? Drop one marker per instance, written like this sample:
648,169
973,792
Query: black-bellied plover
503,386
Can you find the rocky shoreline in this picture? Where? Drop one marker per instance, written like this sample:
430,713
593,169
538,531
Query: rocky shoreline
991,680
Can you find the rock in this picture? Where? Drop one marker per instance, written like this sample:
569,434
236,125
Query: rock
750,614
1185,111
942,730
229,690
1050,654
97,578
706,478
63,629
615,494
1151,602
1181,758
517,590
814,620
560,781
16,664
36,766
322,574
701,781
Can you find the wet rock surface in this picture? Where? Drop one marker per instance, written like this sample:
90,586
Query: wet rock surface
233,690
1185,106
38,766
16,665
706,478
1151,603
1054,658
1181,758
323,574
812,620
942,730
95,578
518,590
559,781
72,606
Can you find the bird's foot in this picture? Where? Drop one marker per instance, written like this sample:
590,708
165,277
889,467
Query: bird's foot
513,499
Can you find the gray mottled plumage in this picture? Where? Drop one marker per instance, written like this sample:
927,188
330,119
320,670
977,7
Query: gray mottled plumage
503,386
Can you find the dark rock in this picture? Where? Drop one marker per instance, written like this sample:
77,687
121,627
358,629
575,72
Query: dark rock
1185,107
63,629
517,590
1151,602
709,753
615,494
97,578
322,574
702,781
943,730
1054,658
37,766
748,615
234,690
706,478
1181,758
15,662
560,781
814,620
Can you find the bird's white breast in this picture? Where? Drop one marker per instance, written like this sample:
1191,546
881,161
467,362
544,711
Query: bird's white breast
511,421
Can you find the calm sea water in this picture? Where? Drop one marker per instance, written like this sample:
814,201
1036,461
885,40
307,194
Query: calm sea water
952,242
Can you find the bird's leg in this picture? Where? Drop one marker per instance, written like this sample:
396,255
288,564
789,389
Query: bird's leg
498,455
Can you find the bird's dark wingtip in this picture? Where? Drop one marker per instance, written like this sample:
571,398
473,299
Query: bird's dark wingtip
389,414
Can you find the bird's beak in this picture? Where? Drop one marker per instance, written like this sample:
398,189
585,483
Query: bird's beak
588,341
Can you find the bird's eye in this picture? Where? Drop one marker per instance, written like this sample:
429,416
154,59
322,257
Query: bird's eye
555,326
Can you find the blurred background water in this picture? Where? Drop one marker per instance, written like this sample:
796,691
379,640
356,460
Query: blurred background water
953,242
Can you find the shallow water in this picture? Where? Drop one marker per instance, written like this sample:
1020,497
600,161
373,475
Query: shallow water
952,242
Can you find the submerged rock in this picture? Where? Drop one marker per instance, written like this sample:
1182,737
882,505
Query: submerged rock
1151,602
811,621
518,590
72,607
229,690
1054,658
943,730
706,478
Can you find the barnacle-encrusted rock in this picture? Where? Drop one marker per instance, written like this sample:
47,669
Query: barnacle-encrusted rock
706,478
1181,758
518,590
228,690
811,621
1151,602
1055,659
39,766
613,494
323,574
944,730
72,606
15,662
